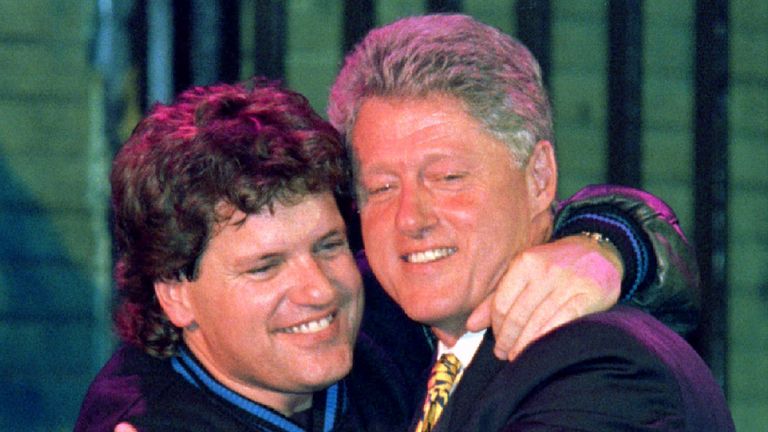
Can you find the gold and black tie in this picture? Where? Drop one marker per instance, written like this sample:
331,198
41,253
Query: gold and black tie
441,381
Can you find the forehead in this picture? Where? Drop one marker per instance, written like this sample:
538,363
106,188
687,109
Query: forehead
283,222
423,111
399,127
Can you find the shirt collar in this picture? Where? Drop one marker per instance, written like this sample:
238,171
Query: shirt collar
333,399
465,348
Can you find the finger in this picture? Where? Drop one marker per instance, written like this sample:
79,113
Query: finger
508,331
542,304
553,312
506,294
481,317
125,427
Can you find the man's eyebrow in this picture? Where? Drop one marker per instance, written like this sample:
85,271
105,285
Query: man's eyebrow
333,232
251,259
375,169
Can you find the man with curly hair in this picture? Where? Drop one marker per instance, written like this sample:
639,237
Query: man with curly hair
234,268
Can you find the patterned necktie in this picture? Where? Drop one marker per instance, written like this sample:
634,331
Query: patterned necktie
441,381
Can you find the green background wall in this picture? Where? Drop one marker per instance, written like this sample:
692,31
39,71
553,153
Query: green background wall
55,252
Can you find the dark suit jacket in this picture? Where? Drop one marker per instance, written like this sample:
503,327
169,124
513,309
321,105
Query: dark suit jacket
619,370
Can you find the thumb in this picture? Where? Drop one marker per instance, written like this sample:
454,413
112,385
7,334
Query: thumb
480,318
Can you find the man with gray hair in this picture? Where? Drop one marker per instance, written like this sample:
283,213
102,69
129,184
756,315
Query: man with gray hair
450,133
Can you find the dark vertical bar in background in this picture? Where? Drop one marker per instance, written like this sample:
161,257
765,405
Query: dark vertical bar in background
229,31
534,29
711,186
215,41
435,6
136,36
359,18
182,44
625,92
271,35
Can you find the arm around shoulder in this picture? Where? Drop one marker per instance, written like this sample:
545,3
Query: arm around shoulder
661,275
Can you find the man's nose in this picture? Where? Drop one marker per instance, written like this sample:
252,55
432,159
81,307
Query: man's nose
415,213
315,285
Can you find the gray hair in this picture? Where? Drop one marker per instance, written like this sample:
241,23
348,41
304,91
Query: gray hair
495,76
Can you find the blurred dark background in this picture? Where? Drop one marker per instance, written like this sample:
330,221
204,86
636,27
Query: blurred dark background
668,96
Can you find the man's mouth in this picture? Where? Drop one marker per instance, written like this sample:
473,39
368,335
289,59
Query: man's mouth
310,326
429,255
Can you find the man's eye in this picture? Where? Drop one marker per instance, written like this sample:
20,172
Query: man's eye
264,268
378,189
331,246
453,176
449,180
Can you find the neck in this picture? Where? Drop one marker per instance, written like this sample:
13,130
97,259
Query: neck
299,406
449,336
286,405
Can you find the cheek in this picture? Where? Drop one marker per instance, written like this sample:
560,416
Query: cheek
244,308
346,276
208,306
225,332
239,315
502,232
375,229
465,212
349,276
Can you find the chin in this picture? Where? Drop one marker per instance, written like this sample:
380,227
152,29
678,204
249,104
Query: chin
312,384
326,375
427,317
431,305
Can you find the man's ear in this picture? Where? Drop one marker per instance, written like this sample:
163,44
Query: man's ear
541,174
174,300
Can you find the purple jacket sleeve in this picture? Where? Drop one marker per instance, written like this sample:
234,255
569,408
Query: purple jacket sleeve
661,276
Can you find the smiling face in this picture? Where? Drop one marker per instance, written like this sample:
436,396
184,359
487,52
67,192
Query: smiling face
443,206
275,310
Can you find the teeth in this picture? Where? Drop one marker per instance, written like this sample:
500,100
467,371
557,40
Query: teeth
310,327
430,255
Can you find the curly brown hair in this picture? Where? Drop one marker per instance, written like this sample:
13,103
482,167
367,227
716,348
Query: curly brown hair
246,146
